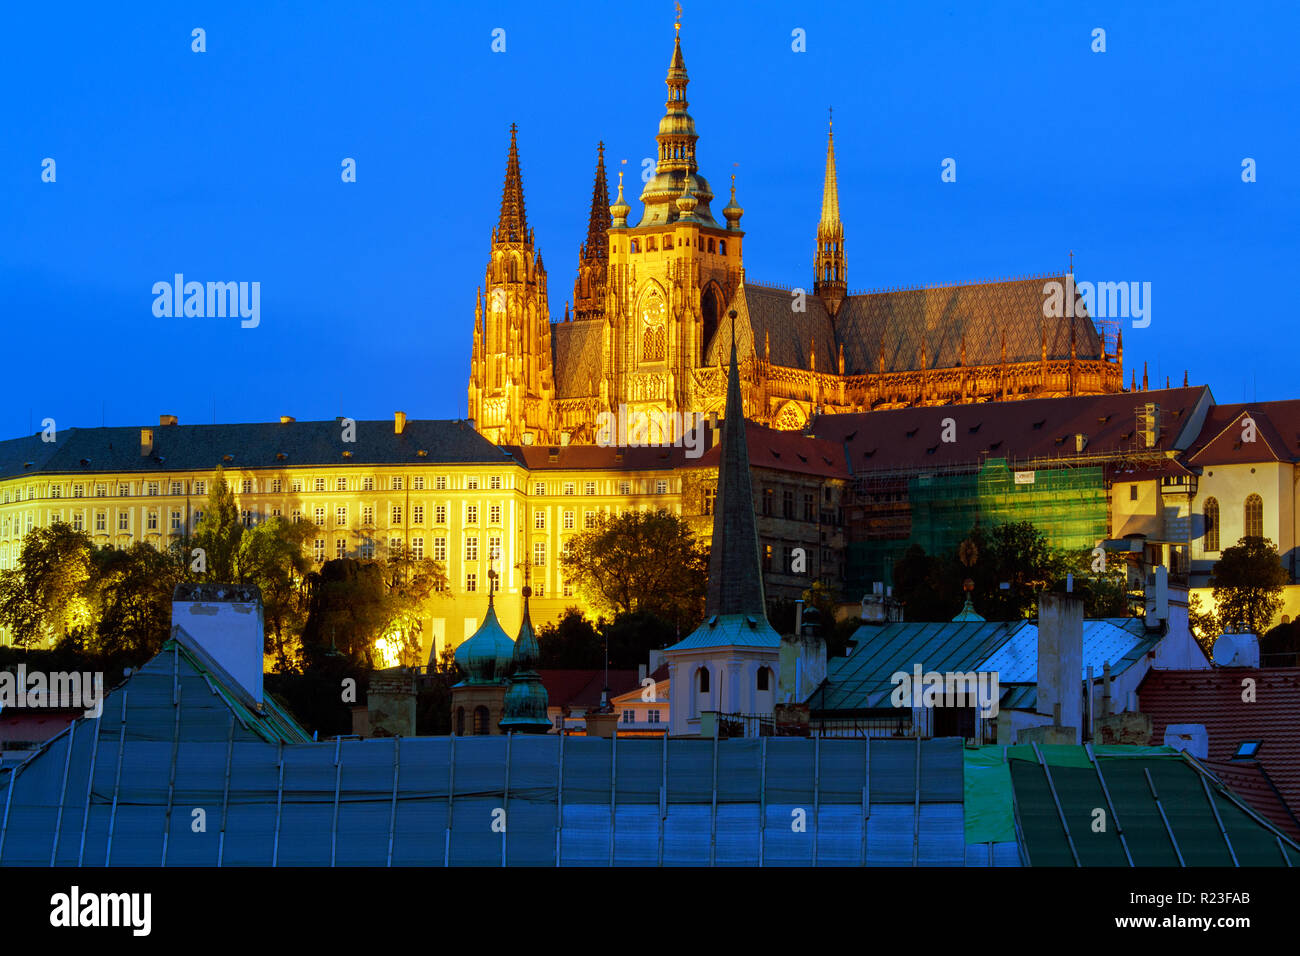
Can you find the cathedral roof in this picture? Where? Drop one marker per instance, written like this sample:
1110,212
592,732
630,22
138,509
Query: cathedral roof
577,348
903,320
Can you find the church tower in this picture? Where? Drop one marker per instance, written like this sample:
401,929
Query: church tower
830,267
511,386
670,275
593,257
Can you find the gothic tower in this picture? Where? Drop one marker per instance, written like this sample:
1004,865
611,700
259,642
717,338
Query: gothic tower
671,275
511,386
593,257
830,267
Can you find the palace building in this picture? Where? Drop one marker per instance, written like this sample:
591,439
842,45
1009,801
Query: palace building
651,315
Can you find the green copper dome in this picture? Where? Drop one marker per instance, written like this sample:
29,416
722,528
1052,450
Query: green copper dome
486,656
526,700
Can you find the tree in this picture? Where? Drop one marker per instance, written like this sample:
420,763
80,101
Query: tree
271,556
409,584
1247,580
218,533
572,642
640,561
50,593
1204,624
134,598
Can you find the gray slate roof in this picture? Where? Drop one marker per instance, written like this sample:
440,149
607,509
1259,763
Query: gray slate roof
251,445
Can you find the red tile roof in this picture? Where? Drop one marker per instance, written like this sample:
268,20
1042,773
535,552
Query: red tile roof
1248,780
786,451
581,688
1030,428
1277,434
1214,698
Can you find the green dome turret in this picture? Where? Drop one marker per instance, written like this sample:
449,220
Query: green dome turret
526,699
486,657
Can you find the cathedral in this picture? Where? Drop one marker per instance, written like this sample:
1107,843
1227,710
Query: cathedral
655,302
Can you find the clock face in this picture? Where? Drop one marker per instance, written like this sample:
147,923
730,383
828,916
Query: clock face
497,300
652,311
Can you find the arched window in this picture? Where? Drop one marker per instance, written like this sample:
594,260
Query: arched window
711,314
651,245
460,721
710,245
481,718
764,679
1211,524
1254,517
635,247
722,247
703,680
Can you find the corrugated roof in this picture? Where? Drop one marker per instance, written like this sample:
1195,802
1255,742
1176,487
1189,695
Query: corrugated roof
1117,641
861,681
1160,810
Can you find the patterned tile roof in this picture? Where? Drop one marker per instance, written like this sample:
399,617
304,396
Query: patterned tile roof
902,321
766,314
577,353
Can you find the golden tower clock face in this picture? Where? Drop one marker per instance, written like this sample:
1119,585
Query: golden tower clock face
497,300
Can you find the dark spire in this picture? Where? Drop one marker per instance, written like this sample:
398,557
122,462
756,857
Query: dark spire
735,578
513,225
597,245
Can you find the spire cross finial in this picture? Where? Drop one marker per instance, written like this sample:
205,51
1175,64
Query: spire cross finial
678,25
830,116
1071,262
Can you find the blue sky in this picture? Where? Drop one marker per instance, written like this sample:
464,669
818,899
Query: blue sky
225,166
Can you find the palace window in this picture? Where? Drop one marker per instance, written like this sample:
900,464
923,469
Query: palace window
417,514
417,548
767,502
368,484
494,548
295,486
589,488
320,484
494,514
808,513
318,549
78,521
397,514
570,488
539,554
341,516
539,488
787,504
78,491
397,482
151,523
624,487
277,485
340,547
440,483
568,521
495,482
367,516
153,488
341,484
471,582
589,519
661,487
320,517
471,514
710,499
471,548
440,549
101,521
176,521
123,521
539,520
471,483
439,514
417,483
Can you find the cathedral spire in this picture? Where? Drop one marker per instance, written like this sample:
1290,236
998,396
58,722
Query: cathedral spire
735,578
593,257
830,267
513,224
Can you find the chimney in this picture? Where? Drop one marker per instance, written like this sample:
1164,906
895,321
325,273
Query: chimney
146,442
1080,441
222,625
167,420
1060,659
1157,596
287,419
399,422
